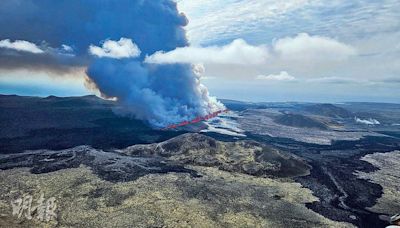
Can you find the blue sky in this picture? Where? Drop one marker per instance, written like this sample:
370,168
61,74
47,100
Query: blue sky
262,50
219,21
371,29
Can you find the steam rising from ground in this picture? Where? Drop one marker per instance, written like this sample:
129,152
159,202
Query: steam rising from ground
111,38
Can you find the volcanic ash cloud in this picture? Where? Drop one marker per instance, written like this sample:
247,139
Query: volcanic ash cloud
161,94
111,38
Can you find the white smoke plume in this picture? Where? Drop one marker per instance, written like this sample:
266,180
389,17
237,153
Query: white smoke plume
112,38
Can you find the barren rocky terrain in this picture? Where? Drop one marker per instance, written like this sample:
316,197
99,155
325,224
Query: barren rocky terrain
260,165
216,199
387,176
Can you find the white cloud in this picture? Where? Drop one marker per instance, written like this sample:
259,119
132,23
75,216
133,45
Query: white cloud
211,20
282,76
124,48
21,45
358,49
66,48
26,46
305,47
301,48
238,52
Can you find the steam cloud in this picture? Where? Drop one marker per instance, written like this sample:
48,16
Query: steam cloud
112,38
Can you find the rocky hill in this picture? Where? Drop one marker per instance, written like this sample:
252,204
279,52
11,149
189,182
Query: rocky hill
297,120
246,156
329,110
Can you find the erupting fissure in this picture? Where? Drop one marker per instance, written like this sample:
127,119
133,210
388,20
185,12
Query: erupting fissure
112,45
195,120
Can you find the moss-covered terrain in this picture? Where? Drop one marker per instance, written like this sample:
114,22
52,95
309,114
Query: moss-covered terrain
217,199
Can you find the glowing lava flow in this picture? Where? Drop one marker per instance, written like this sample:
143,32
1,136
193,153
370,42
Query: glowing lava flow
195,120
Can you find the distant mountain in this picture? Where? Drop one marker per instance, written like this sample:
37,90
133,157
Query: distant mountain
242,105
297,120
239,105
329,110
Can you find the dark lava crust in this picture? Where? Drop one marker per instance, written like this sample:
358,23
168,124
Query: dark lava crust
343,196
110,166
